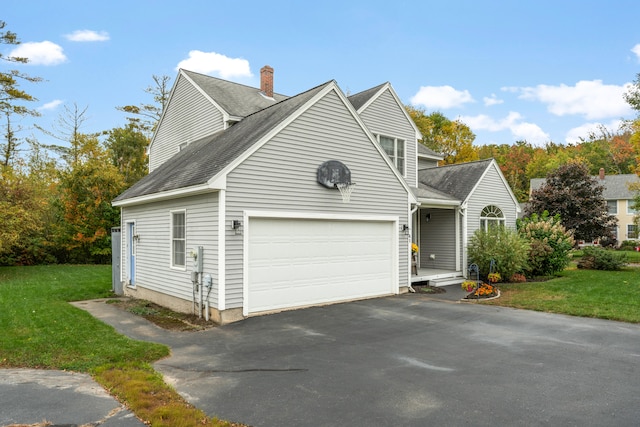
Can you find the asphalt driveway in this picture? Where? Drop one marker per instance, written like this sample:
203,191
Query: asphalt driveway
406,361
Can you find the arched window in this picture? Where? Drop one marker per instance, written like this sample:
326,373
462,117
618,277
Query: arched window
491,216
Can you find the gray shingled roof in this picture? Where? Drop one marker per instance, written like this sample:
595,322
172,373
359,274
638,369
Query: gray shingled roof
201,160
426,151
615,186
426,192
236,99
455,180
361,98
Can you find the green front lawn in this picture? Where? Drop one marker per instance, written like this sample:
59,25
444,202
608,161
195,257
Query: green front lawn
40,329
613,295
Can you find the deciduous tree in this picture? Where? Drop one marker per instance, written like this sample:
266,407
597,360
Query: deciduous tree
85,211
146,116
451,138
127,149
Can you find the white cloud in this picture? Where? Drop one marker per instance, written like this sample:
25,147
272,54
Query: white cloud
51,105
87,36
437,97
530,132
212,62
575,135
40,53
591,99
492,100
520,130
636,50
484,122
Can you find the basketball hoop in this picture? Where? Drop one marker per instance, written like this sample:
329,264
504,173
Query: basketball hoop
345,189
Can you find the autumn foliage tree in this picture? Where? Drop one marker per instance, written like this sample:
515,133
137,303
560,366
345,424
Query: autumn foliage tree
573,194
85,214
451,138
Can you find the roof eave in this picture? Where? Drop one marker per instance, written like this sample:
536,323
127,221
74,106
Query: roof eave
165,195
426,202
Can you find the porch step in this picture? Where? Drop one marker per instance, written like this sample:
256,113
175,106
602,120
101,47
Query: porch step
446,281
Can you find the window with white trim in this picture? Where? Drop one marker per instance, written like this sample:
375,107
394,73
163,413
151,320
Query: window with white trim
632,231
395,149
178,239
631,208
612,207
491,216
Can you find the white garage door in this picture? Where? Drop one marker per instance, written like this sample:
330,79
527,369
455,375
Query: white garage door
299,262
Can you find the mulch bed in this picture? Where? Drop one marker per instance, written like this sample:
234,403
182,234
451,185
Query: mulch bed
162,316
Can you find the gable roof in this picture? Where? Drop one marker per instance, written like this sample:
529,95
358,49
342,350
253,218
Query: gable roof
236,99
362,100
616,187
202,160
457,180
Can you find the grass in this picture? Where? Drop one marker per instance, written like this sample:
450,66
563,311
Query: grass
612,295
40,329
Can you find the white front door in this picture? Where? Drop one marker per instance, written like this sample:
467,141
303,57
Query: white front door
131,253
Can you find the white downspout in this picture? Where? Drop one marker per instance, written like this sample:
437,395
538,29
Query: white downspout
413,211
463,213
222,244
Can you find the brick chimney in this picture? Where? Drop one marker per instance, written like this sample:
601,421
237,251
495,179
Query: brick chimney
601,173
266,81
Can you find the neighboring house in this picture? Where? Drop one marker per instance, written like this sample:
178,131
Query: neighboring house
245,177
619,199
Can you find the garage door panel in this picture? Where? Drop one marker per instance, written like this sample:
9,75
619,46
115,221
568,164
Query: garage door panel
297,262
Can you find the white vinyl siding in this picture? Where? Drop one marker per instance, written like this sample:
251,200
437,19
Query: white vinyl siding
153,260
385,117
189,117
281,176
426,163
490,191
438,239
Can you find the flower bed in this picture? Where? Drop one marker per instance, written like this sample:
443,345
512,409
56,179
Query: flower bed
484,291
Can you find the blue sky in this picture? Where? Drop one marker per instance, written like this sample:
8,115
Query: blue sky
512,70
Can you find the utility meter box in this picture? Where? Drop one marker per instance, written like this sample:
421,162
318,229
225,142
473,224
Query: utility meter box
198,264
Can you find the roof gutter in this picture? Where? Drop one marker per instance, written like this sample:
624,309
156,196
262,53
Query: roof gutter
438,203
172,194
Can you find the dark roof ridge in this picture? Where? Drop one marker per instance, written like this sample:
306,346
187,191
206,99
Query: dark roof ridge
464,163
228,81
290,98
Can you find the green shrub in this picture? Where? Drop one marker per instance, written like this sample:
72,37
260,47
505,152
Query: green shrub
596,258
501,244
629,245
550,244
